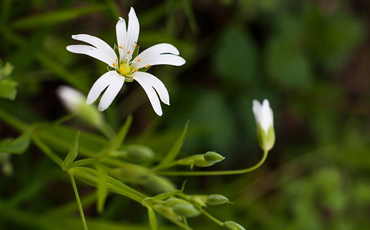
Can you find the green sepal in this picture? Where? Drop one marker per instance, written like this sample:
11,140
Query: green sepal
231,225
266,140
135,53
216,199
16,146
72,154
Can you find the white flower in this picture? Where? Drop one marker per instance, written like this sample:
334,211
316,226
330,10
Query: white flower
126,67
263,114
265,124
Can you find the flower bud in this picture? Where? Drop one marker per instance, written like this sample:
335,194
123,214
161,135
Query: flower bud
231,225
265,124
185,210
213,157
75,102
139,152
216,199
197,160
156,184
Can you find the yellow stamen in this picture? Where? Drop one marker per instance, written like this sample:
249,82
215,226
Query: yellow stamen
114,64
136,69
121,70
147,66
120,47
128,52
131,77
138,60
135,46
116,59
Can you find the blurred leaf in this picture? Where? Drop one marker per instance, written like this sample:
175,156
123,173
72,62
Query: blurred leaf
91,177
8,89
59,137
235,59
6,70
152,219
72,153
102,190
16,146
53,18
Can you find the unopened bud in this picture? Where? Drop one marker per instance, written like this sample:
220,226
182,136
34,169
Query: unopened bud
75,102
216,199
186,210
139,152
156,184
265,124
213,157
199,200
197,160
231,225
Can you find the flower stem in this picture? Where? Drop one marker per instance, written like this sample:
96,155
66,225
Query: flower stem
12,121
211,217
215,173
78,201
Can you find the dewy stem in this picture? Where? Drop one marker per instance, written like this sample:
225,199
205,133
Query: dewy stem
215,173
78,201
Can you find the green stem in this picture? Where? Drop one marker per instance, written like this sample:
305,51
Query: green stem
12,121
78,201
211,217
107,130
215,173
47,150
82,162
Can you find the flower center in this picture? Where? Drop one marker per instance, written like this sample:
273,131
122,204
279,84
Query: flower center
124,69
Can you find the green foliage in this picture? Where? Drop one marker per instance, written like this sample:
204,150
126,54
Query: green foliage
16,146
309,58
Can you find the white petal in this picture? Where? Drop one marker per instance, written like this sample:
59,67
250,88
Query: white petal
90,51
132,34
112,91
121,36
153,97
156,84
100,84
263,114
157,50
163,59
101,45
256,110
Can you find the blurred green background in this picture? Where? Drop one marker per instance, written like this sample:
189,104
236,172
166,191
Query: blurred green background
310,58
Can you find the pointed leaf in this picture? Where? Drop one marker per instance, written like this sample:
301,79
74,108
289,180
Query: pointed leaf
102,190
175,148
18,145
72,153
121,135
152,219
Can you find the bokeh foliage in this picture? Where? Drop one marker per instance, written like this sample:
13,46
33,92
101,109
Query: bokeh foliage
309,58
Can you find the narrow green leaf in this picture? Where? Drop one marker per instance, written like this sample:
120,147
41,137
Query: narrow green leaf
18,145
121,135
90,176
175,148
72,153
7,89
152,219
53,18
102,190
